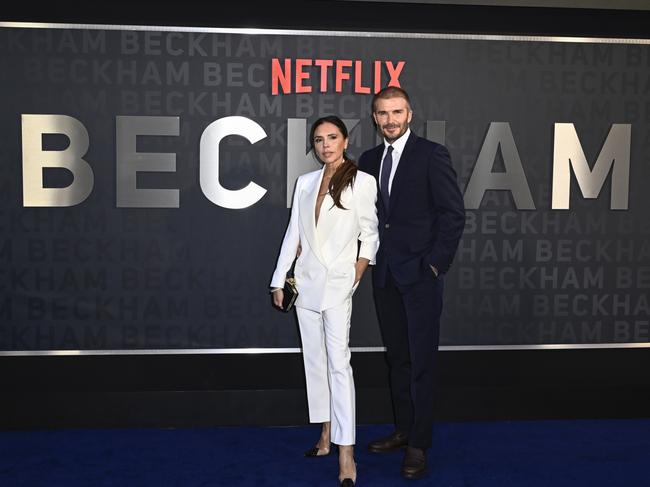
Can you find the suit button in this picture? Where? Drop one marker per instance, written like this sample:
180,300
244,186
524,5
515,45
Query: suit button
387,225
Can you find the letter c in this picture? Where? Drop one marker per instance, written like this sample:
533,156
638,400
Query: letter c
209,162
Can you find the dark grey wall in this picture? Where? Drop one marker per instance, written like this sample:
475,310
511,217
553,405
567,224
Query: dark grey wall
156,390
168,233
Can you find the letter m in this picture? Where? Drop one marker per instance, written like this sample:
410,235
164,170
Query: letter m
614,157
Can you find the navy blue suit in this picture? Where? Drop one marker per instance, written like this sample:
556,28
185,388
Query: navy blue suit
421,227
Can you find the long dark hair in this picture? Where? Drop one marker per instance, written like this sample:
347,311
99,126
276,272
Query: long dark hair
347,171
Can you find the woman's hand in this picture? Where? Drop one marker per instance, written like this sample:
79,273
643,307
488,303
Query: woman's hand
359,268
278,297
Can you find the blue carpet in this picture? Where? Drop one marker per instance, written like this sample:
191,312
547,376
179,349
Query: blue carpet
524,453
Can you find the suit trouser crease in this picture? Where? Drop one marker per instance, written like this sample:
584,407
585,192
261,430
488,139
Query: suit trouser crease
409,318
328,373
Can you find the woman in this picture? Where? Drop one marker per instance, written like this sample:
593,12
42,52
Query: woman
333,209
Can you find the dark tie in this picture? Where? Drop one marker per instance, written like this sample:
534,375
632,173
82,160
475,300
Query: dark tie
386,168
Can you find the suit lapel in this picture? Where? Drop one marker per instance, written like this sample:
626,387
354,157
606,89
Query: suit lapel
402,168
331,216
375,170
376,167
307,213
326,220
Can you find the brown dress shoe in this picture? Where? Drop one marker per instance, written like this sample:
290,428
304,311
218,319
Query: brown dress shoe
414,465
392,442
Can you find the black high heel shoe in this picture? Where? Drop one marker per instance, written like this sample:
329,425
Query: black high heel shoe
314,452
348,482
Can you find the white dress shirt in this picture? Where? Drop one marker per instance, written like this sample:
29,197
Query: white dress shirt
398,149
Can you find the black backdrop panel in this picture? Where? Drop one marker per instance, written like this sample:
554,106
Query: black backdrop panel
188,267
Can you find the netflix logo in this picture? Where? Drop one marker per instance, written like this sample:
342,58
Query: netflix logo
308,75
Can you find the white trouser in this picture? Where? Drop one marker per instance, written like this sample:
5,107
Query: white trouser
330,385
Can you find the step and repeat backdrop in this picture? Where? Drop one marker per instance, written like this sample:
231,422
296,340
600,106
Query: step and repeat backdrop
147,176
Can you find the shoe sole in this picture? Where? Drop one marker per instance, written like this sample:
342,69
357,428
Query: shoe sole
415,476
386,450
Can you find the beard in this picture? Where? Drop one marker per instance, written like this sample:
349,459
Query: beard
393,131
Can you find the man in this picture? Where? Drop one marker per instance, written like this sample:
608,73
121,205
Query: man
421,220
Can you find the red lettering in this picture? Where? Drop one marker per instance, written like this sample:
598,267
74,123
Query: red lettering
324,65
302,75
358,87
283,78
394,72
377,76
288,78
340,74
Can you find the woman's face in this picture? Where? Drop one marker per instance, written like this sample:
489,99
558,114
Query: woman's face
329,143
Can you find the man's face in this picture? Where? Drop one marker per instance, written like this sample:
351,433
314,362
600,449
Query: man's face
392,116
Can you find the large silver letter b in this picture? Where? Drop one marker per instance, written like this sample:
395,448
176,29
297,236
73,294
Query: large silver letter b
35,159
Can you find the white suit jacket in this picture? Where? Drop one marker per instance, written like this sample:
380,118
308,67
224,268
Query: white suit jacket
325,269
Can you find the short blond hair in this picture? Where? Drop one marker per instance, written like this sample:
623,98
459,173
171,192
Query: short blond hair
390,92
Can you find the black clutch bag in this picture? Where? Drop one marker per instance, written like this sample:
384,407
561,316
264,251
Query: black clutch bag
290,290
290,294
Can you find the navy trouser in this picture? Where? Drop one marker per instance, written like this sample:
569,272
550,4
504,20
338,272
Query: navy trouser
409,319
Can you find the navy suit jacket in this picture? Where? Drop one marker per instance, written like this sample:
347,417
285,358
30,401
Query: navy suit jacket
426,214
